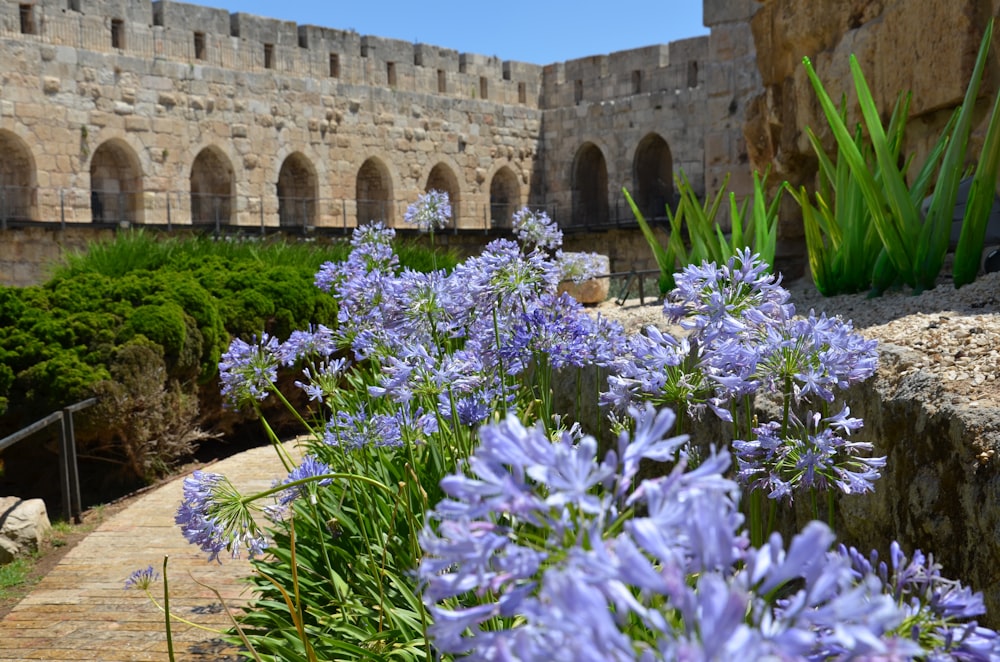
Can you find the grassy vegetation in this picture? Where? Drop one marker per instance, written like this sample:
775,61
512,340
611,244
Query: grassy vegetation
14,576
141,322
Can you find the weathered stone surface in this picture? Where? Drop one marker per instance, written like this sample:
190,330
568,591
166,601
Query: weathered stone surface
927,47
23,526
593,290
940,488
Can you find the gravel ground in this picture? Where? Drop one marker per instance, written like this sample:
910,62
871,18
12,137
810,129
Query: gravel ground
955,334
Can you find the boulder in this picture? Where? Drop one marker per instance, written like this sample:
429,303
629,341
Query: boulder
593,290
23,526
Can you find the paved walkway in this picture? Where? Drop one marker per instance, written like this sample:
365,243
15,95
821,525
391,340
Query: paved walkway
80,610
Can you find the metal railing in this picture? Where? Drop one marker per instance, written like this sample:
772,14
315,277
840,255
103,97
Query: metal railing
68,468
225,213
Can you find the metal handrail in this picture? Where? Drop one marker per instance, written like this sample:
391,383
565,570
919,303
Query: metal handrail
68,467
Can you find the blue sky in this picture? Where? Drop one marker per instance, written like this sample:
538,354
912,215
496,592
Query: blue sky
534,31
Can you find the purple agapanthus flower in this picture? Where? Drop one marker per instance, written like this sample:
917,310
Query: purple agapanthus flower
578,267
317,342
535,229
248,370
214,517
362,429
309,467
809,455
431,211
526,558
142,578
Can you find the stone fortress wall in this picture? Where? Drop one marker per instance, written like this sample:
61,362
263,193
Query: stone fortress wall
166,112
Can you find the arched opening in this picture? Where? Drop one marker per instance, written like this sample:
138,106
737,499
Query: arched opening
17,179
212,184
505,196
590,187
373,193
296,193
443,179
653,177
115,184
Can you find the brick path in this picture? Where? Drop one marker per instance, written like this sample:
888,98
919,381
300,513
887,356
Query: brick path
80,610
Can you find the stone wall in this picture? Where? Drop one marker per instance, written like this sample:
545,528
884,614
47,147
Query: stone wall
732,81
27,255
927,47
157,112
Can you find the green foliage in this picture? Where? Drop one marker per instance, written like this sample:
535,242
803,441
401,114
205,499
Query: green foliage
706,241
913,248
977,210
147,421
841,239
357,600
142,321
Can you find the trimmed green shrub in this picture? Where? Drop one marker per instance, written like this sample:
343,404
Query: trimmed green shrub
141,322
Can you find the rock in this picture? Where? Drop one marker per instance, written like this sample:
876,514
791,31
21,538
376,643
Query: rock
941,482
23,526
593,290
927,47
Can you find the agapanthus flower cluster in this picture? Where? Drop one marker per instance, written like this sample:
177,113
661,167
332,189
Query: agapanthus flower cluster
579,267
247,371
309,468
544,551
556,327
431,211
937,609
810,455
214,516
749,337
742,339
142,579
535,229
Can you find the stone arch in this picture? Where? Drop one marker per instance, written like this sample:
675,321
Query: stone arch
212,187
505,197
115,183
17,178
297,192
653,176
442,178
373,193
590,186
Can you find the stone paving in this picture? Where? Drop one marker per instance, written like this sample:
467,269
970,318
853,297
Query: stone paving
81,611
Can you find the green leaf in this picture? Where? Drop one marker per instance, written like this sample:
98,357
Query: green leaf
664,256
937,226
902,226
969,251
892,238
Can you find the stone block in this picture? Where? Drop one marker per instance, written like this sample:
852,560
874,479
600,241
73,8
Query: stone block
593,290
137,124
715,12
730,42
23,526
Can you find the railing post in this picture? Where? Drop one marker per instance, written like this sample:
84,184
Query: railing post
72,480
67,502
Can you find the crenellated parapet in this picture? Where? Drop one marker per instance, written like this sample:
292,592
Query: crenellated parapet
165,112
